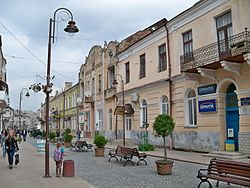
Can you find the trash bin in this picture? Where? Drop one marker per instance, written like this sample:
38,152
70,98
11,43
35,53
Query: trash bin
68,168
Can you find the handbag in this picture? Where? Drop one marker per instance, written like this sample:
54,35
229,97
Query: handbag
16,159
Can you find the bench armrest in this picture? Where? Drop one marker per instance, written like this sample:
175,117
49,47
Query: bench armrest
200,172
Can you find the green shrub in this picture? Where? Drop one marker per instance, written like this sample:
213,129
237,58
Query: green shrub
100,141
67,137
52,135
146,147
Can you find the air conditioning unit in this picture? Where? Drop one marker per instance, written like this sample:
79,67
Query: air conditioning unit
134,97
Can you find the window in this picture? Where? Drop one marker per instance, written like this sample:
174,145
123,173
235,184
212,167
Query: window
224,31
191,109
100,83
110,119
162,58
188,46
127,72
144,115
164,105
111,76
142,73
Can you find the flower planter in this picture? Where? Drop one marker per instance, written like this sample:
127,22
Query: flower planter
164,167
99,152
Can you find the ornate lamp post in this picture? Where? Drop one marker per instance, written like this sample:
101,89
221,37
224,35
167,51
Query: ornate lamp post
71,28
123,105
20,104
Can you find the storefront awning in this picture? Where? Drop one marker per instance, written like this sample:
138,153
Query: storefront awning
128,110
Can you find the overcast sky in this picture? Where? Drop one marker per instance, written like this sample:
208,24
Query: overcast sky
24,31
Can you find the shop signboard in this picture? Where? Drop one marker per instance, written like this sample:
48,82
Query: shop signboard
208,89
207,106
245,101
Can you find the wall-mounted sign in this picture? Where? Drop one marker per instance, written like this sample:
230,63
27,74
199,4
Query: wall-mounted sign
245,101
208,89
207,106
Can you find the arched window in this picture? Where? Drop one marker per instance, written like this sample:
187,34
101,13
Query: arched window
110,119
164,105
191,109
144,115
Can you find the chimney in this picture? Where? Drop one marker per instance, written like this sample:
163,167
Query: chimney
67,85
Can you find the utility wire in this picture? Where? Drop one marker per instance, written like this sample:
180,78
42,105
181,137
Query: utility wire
30,52
26,58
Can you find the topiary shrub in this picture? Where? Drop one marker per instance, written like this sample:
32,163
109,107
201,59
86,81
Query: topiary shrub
100,141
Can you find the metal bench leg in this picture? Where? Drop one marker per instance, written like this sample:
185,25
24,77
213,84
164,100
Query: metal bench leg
129,161
217,184
202,181
113,157
142,160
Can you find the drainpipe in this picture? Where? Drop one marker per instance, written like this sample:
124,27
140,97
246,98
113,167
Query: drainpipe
169,86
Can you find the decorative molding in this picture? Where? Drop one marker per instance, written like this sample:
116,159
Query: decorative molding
231,67
185,76
247,58
243,91
209,73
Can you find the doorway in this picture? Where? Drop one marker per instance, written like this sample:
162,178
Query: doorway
232,115
128,124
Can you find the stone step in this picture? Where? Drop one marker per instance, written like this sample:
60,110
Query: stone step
225,155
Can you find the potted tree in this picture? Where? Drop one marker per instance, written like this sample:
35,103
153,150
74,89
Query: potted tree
100,142
67,138
164,126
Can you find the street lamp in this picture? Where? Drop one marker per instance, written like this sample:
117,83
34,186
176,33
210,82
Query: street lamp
20,103
123,105
71,28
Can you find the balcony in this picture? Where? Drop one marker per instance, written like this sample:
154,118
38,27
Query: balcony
108,93
89,99
210,56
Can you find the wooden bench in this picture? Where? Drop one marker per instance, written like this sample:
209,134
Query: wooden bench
233,172
82,146
127,154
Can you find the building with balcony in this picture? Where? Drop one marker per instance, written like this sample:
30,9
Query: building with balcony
209,52
4,90
195,67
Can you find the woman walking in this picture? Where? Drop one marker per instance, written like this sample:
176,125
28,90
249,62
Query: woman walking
11,147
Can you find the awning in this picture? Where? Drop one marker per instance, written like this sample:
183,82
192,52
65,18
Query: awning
128,110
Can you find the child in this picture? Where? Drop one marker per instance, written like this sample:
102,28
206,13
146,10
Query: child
58,158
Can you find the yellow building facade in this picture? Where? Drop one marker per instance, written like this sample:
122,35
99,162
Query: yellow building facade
194,67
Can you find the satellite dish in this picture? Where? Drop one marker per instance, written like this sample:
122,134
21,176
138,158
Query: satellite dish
87,93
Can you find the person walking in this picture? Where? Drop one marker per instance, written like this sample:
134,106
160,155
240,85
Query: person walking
4,134
11,147
78,134
58,158
24,132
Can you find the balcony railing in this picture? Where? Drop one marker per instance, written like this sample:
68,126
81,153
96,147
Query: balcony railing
222,50
89,99
108,93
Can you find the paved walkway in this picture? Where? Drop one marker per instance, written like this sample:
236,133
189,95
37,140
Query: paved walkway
28,173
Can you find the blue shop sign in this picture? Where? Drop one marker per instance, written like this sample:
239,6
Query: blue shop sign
207,105
245,101
208,89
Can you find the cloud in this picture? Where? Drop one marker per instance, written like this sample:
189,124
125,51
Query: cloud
98,21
